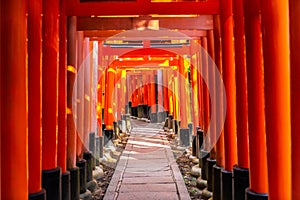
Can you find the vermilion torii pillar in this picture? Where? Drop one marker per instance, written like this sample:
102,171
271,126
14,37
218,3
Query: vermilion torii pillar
256,104
71,130
165,89
182,83
51,178
205,107
229,82
153,110
118,96
170,93
79,86
195,88
240,171
275,33
14,162
109,118
211,161
134,96
295,95
204,73
87,92
160,97
176,101
200,88
145,92
220,157
62,104
35,100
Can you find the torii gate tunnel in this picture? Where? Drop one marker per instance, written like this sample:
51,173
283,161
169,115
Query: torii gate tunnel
223,75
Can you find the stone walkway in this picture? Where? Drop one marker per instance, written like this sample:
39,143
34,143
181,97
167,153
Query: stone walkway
147,168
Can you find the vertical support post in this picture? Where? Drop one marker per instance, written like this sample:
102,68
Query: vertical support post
240,171
134,96
145,92
220,157
160,96
153,114
14,100
109,118
129,93
211,78
51,176
182,82
80,93
99,103
117,94
35,100
204,73
275,33
175,100
71,130
195,85
87,93
103,97
165,91
256,102
93,88
229,81
200,87
123,94
62,134
139,96
295,97
170,92
62,101
206,106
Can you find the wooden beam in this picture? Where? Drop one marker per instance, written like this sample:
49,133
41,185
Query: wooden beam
203,22
105,34
141,7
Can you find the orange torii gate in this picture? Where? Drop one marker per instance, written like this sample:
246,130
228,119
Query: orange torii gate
34,125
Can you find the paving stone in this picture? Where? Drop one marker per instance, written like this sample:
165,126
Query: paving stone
147,168
170,187
153,169
147,180
148,195
145,161
152,174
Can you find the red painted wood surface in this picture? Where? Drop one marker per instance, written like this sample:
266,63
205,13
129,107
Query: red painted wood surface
195,88
183,94
275,34
165,89
220,156
241,85
34,96
229,82
212,87
109,86
295,95
62,91
205,81
200,87
87,98
71,74
79,101
256,102
50,83
152,94
141,7
14,162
